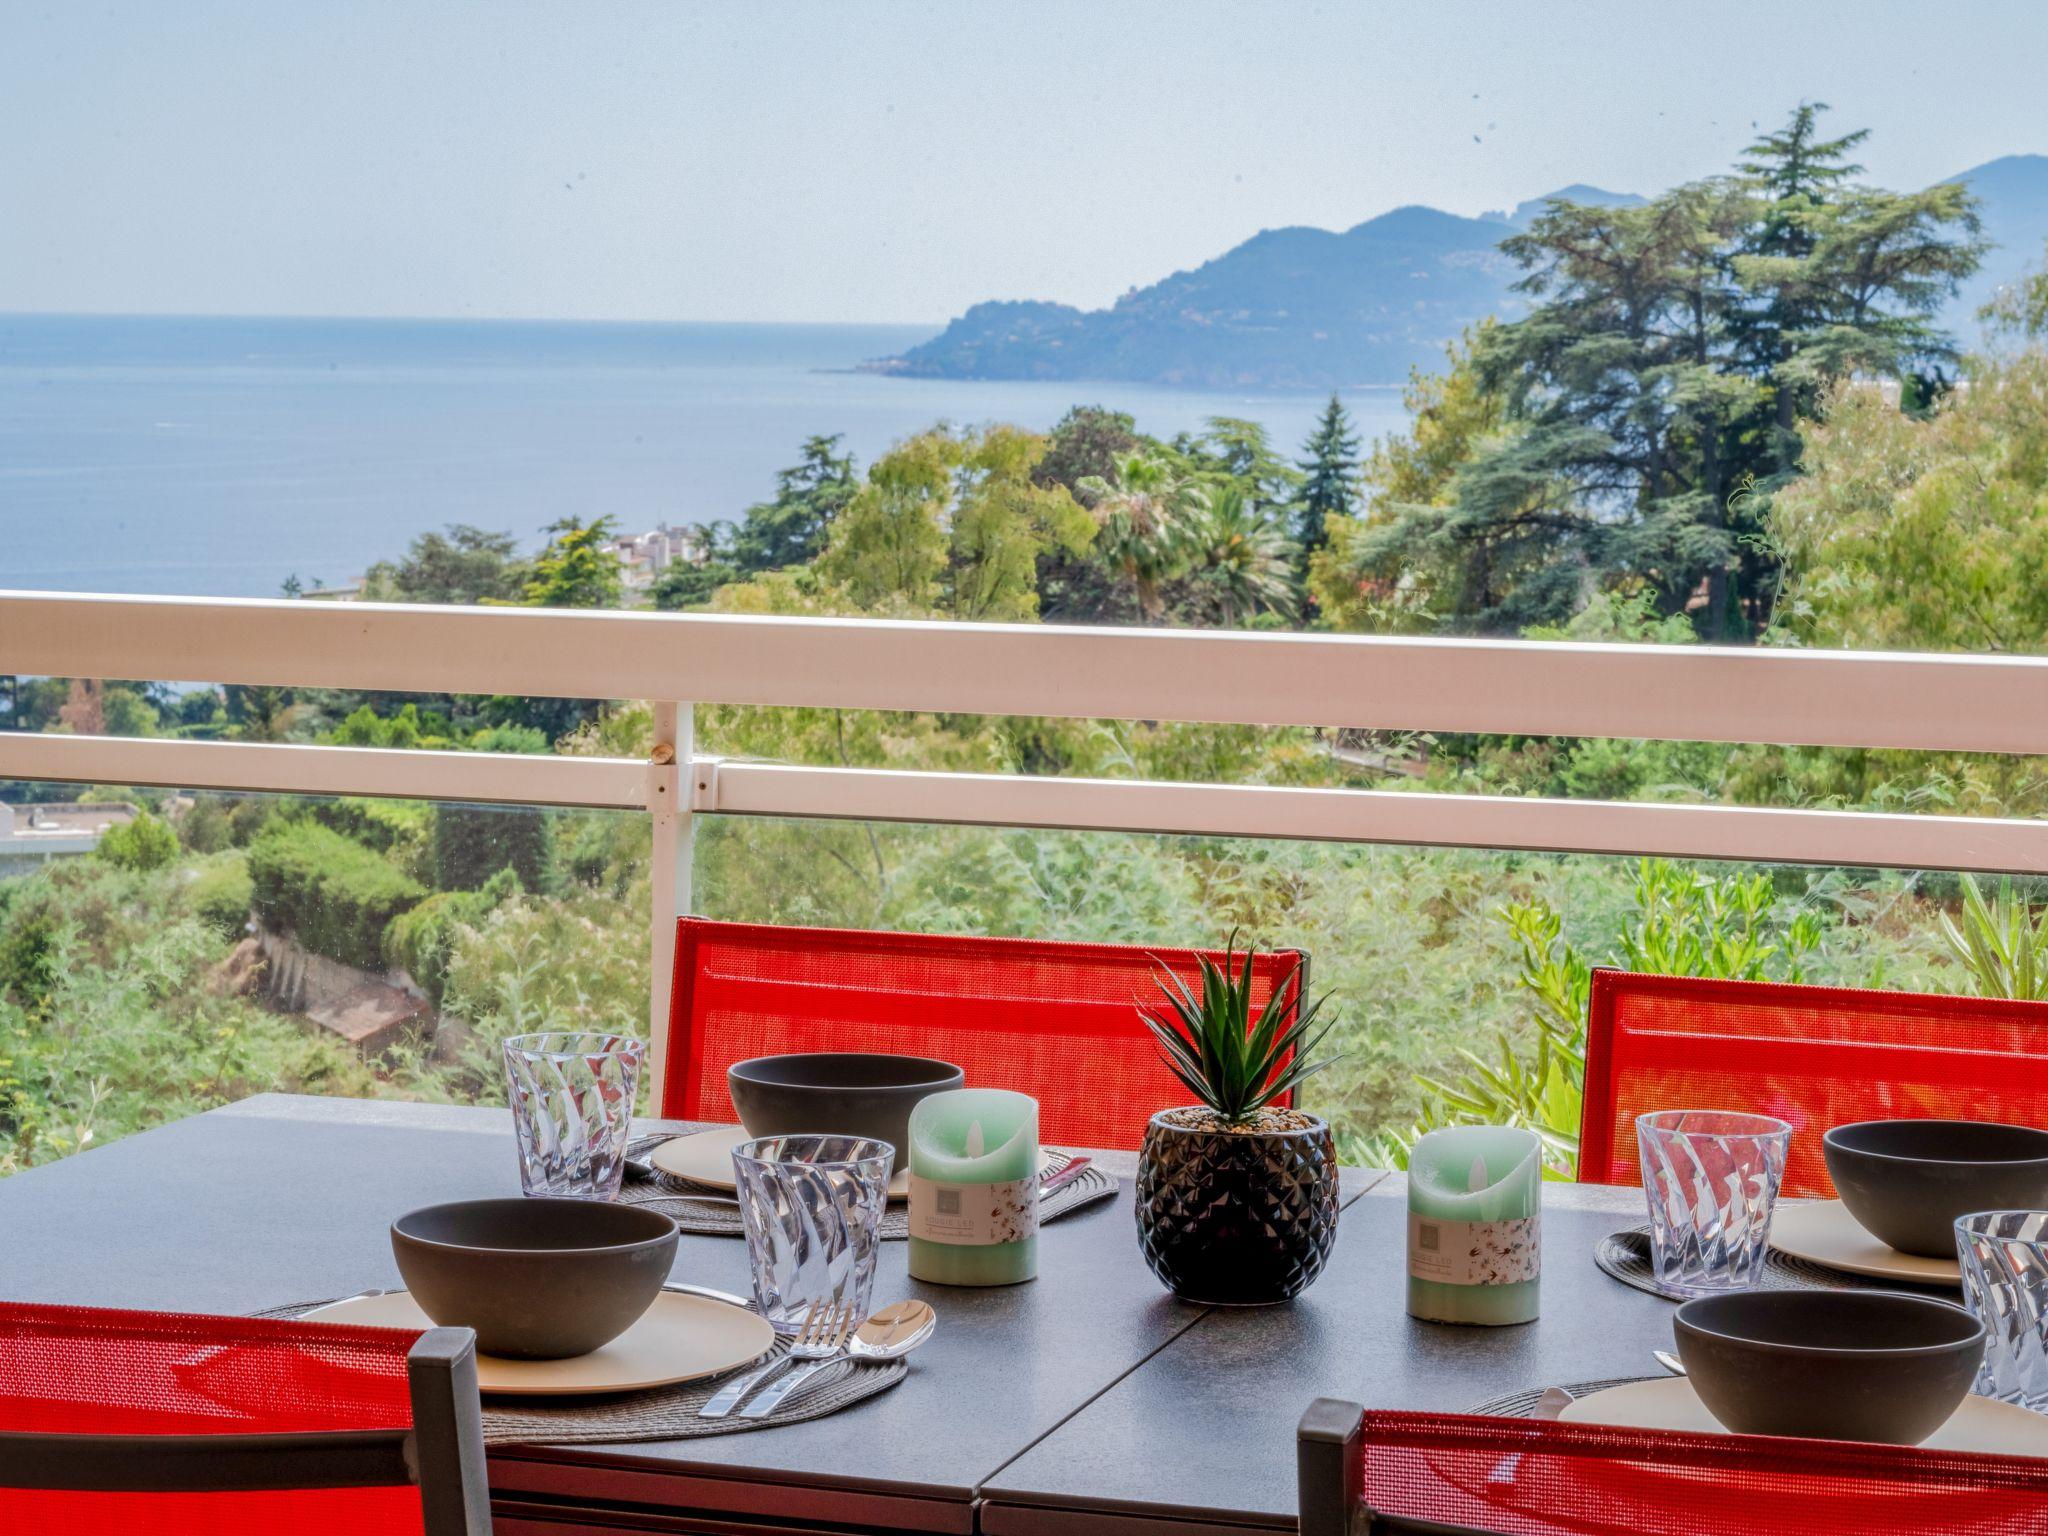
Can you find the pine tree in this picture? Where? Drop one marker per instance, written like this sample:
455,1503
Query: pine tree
1653,392
1329,483
793,528
1837,278
1796,173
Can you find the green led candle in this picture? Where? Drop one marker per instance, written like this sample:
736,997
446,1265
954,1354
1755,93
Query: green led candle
1475,1199
974,1187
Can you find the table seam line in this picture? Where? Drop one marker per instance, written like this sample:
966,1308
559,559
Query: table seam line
1121,1377
1081,1407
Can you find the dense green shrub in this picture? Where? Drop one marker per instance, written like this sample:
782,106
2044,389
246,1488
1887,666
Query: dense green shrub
576,962
395,827
473,842
27,951
421,941
332,894
204,828
604,851
141,845
249,817
222,893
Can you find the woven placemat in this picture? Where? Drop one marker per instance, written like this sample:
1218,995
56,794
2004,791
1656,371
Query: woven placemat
715,1214
664,1413
1626,1256
1520,1405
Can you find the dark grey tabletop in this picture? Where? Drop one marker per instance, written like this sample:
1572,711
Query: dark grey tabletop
1204,1433
1086,1401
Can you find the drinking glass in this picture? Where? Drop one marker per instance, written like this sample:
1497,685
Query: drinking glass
812,1209
572,1110
2004,1255
1711,1179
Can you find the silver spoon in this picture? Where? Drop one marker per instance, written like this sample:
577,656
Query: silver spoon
888,1335
1669,1361
893,1332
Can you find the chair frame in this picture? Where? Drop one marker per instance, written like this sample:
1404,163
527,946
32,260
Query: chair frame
442,1453
1330,1468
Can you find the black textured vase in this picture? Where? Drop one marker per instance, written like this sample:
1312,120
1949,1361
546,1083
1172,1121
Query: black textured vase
1236,1219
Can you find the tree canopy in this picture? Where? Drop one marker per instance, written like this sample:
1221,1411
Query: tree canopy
792,528
576,569
1925,535
1649,402
462,565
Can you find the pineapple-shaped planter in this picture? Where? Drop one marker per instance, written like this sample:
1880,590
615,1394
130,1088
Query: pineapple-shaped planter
1237,1199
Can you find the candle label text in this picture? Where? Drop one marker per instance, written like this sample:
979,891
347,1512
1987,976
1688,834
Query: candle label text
1473,1252
973,1215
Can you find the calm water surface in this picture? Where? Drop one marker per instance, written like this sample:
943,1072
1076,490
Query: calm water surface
218,456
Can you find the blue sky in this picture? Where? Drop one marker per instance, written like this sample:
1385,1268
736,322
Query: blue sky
658,159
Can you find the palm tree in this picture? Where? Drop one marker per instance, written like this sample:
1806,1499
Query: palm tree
1145,521
1244,558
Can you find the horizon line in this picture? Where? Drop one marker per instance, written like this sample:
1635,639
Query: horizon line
221,314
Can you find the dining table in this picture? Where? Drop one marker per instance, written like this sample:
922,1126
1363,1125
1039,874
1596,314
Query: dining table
1086,1402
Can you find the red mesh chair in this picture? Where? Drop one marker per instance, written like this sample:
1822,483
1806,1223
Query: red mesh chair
1815,1057
1057,1021
1419,1474
149,1422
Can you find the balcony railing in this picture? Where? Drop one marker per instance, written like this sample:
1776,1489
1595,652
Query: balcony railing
1682,693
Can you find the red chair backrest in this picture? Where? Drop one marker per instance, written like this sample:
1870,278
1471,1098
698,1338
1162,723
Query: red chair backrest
1815,1057
1531,1477
1055,1020
78,1371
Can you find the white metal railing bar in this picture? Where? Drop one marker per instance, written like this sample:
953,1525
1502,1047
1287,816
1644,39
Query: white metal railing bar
729,787
1833,838
1844,699
493,777
671,798
1000,669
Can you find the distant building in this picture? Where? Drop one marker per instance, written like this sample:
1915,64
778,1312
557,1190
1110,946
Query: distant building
644,556
31,834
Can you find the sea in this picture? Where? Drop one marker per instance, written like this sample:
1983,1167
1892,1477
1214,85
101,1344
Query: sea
225,456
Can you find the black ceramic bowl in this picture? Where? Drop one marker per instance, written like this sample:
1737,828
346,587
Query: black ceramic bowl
1830,1365
837,1093
1906,1181
536,1279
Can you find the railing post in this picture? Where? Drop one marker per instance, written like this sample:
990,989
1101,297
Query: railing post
669,797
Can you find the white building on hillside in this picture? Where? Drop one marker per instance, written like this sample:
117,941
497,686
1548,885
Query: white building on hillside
29,834
645,556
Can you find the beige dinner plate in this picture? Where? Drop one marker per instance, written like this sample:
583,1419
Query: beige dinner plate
1669,1402
679,1338
705,1157
1823,1232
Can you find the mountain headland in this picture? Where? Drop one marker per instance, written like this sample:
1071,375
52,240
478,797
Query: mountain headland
1304,308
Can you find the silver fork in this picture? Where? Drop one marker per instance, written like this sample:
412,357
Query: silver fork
823,1340
728,1396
